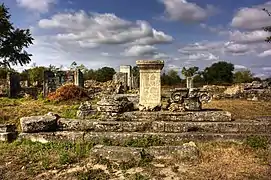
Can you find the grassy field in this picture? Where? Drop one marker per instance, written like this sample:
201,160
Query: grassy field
28,160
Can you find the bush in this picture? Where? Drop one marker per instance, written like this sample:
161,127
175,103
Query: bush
257,142
68,92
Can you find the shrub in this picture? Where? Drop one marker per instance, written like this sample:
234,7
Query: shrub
68,92
257,142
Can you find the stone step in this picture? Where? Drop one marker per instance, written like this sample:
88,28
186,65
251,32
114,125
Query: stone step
188,151
133,139
205,115
164,126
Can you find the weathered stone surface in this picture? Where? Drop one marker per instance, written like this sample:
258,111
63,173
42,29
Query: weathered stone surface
164,126
114,105
212,116
121,138
100,126
7,128
187,151
45,137
84,110
134,98
150,83
38,124
8,136
170,138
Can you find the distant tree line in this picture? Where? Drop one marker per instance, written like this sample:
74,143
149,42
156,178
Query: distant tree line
220,73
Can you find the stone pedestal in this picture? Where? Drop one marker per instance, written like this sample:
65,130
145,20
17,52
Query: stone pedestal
150,83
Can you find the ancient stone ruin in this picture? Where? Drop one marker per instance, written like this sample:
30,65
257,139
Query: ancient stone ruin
150,84
118,122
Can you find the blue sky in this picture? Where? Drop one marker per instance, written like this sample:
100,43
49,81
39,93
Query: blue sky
100,33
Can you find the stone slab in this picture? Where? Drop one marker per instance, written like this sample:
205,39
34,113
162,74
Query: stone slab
46,137
45,123
197,116
120,138
7,128
8,136
163,126
170,138
125,154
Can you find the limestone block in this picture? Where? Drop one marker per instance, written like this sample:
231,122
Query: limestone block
38,124
150,83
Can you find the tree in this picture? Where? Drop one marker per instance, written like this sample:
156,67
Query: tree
105,74
268,29
171,78
243,77
90,74
135,71
190,72
12,42
218,73
4,72
36,74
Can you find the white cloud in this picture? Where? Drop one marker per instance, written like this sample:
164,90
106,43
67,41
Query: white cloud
206,56
41,6
265,53
237,49
249,37
182,10
139,50
251,18
92,30
201,46
237,66
267,68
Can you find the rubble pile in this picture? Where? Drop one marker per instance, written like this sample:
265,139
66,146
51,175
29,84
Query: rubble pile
250,91
112,105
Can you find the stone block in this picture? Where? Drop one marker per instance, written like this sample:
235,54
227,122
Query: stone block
8,136
7,128
150,83
33,124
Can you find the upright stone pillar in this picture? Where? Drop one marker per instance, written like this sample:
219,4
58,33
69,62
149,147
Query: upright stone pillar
150,82
127,69
189,82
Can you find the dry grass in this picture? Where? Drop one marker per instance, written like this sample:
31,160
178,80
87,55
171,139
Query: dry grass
230,161
242,109
11,110
219,161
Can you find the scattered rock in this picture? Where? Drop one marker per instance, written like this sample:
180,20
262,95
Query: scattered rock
33,124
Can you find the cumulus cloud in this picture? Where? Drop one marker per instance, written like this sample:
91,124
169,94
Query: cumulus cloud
265,53
41,6
139,50
237,49
251,18
249,37
201,46
182,10
92,30
239,67
206,56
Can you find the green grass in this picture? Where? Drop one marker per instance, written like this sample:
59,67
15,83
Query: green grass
36,157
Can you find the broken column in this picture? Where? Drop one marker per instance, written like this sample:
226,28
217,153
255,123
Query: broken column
189,82
127,69
150,83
